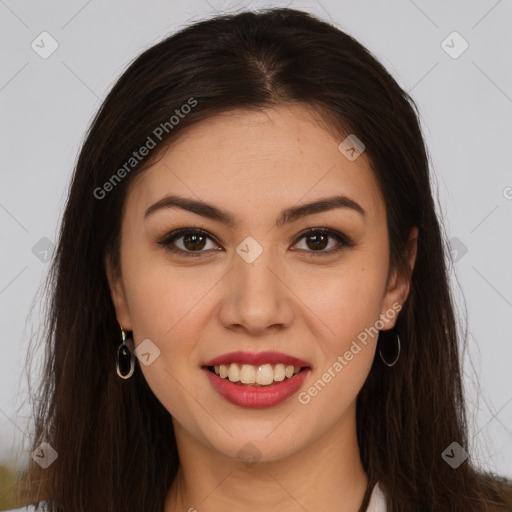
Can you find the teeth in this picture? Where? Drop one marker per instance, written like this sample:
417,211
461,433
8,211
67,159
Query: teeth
234,372
248,374
279,373
262,375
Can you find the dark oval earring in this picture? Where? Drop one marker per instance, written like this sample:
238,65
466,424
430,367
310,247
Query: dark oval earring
392,351
125,361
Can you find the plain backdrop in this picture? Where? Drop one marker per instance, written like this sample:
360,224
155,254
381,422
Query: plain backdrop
465,99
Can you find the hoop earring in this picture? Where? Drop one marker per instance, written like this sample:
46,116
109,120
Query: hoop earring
124,358
397,349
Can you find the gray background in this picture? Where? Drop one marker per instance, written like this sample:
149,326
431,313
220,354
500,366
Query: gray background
466,109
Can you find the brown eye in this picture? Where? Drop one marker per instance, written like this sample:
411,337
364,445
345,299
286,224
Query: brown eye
317,241
187,242
193,242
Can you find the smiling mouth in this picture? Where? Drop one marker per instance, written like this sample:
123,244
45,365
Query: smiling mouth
261,375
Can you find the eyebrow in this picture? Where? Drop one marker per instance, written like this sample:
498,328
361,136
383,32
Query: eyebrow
288,215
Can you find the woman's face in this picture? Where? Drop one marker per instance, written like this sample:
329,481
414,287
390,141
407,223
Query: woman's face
257,283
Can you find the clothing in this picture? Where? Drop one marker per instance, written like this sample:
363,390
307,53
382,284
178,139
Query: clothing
28,508
377,502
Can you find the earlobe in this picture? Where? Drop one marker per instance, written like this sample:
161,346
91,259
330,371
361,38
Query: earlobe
118,295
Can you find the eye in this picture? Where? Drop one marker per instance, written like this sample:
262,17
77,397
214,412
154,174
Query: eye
194,242
316,239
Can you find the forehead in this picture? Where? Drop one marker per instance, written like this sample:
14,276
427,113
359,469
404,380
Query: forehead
249,160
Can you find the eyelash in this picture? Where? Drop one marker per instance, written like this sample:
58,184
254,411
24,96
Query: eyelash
167,241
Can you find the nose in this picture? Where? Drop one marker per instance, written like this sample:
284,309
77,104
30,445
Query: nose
257,298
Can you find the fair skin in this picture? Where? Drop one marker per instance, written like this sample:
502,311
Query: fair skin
290,299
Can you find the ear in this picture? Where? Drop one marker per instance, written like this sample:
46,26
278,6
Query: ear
118,295
399,285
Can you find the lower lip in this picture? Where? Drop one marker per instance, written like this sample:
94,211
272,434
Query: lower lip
246,395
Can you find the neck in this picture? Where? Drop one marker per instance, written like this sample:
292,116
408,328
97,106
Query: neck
325,475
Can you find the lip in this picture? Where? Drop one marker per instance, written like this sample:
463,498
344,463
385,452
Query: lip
256,396
270,357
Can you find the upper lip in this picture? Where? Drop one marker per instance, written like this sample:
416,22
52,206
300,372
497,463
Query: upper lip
269,357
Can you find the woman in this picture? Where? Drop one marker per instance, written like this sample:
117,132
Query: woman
250,300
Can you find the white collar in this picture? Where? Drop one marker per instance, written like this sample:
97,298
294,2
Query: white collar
377,500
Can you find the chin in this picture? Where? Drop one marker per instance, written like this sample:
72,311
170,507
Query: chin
257,446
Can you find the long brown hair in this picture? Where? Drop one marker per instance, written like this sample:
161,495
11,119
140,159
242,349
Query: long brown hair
115,441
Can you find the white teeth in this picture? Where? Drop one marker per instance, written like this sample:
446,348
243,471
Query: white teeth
279,373
262,375
248,374
234,372
265,375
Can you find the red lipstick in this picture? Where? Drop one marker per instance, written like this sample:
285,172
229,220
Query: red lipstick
255,396
269,357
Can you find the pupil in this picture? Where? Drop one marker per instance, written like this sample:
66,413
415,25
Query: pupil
317,237
194,242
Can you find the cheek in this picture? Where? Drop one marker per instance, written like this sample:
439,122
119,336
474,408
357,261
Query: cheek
169,307
346,302
165,307
348,307
162,300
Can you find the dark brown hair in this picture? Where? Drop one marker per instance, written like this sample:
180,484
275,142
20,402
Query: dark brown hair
115,440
